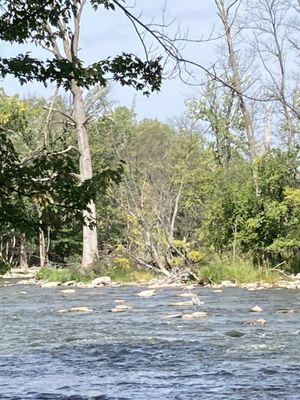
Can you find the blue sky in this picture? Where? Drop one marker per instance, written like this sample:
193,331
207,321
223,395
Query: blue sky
109,33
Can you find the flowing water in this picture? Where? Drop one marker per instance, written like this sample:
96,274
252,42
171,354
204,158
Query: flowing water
141,355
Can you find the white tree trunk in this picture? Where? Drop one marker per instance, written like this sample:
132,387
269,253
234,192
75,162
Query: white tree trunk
90,241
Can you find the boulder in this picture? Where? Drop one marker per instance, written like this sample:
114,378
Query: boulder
147,293
120,308
256,309
101,281
194,315
68,283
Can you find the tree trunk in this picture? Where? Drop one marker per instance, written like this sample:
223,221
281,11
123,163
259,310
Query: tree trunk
237,83
42,246
90,241
23,253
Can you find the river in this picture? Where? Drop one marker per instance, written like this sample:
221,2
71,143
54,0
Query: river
140,355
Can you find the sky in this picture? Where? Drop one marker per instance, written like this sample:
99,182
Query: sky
106,34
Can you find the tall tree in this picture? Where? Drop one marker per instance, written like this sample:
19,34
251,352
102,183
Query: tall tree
55,25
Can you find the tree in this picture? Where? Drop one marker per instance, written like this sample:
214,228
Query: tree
55,25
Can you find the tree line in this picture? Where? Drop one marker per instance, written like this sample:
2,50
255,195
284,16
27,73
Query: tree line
220,181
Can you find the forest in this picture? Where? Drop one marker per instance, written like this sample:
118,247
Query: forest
212,194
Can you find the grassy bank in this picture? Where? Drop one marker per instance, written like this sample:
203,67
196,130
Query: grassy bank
241,271
117,275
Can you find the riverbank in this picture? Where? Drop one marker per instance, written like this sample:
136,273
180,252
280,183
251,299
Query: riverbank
35,277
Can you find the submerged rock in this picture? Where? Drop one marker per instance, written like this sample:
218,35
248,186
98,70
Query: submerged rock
76,310
67,291
181,303
255,322
120,308
194,315
286,311
146,293
256,309
234,334
171,316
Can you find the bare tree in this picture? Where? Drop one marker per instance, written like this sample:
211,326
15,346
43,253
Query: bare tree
269,21
227,12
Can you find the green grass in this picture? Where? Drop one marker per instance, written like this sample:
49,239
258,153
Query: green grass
242,271
118,275
65,274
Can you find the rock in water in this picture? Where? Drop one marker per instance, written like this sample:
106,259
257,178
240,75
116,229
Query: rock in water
286,311
194,315
67,291
120,308
76,309
255,322
234,334
256,309
181,303
102,280
146,293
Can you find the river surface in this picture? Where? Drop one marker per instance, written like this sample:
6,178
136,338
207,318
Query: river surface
139,355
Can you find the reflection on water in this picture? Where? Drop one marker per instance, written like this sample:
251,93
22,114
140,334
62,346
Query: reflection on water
140,354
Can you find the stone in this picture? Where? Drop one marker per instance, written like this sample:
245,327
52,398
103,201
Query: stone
146,293
256,309
67,291
228,284
50,284
120,308
234,334
286,311
68,283
27,282
255,322
251,286
171,316
76,310
81,309
102,280
80,285
194,315
181,303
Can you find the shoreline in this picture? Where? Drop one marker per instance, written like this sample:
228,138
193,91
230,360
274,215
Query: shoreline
29,279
